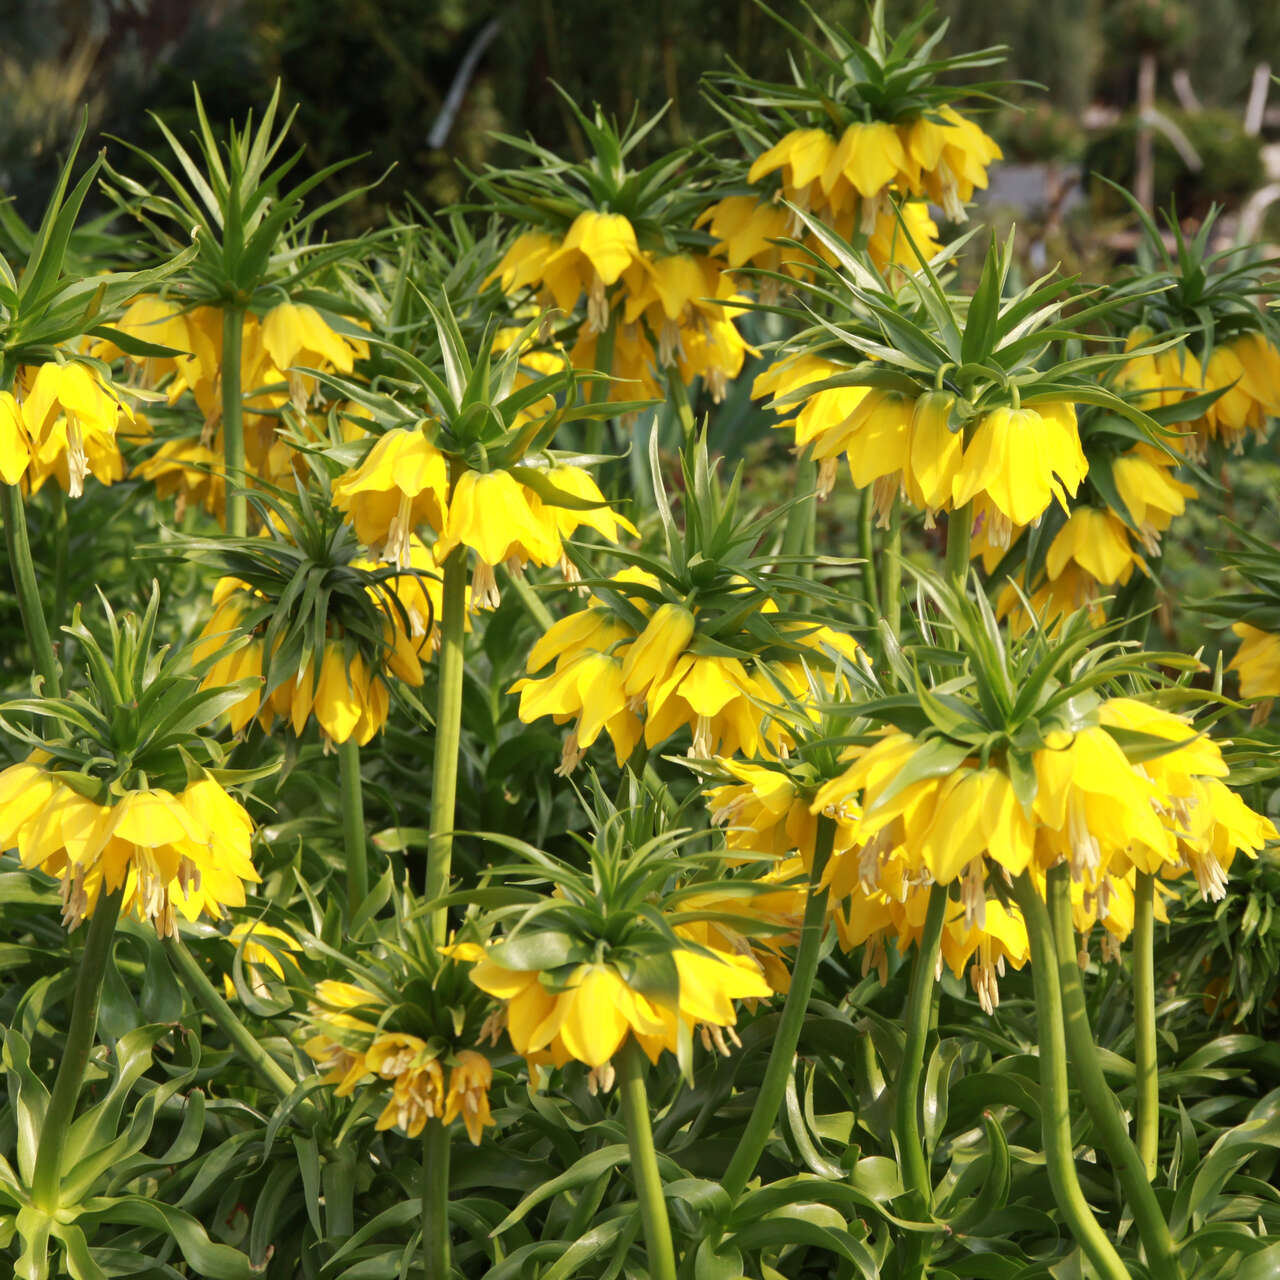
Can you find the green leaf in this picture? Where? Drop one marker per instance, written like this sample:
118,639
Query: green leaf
710,1263
588,1169
539,949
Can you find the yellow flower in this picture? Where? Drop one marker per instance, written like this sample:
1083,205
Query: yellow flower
349,701
936,452
232,604
168,853
1094,808
1257,661
715,697
402,483
746,229
1209,822
887,242
152,319
1000,939
593,1013
1020,460
652,657
866,160
468,1095
71,415
417,1082
189,470
588,690
1260,371
820,414
15,443
596,250
256,956
296,335
1152,495
495,516
1098,542
523,263
577,483
803,156
1160,378
947,157
876,437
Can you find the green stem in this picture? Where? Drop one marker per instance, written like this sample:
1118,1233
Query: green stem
867,551
773,1087
46,1180
600,391
1102,1105
233,421
1055,1104
1144,1014
802,516
907,1104
893,570
61,549
678,394
644,1162
435,1200
222,1015
24,584
354,844
959,537
444,771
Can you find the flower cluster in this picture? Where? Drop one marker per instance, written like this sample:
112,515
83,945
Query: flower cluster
404,482
349,697
587,1011
943,158
640,671
1010,462
166,853
1089,807
663,310
426,1078
276,350
1244,370
61,421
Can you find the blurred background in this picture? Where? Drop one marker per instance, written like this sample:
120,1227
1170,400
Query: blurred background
416,85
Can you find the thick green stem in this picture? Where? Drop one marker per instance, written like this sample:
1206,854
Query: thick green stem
916,1018
1144,1018
354,844
444,772
959,537
245,1043
435,1200
773,1087
61,552
233,421
46,1180
644,1162
801,518
678,394
893,570
1055,1105
601,390
1102,1105
867,551
24,584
